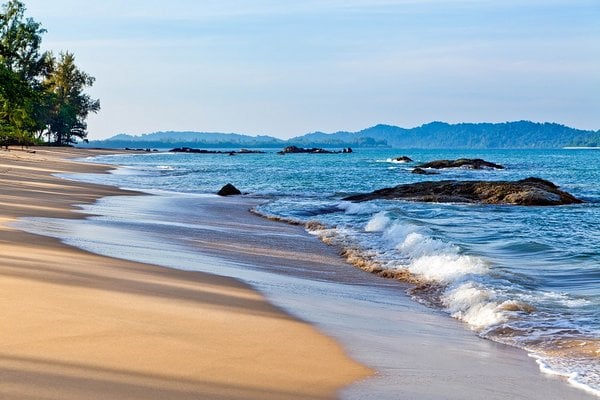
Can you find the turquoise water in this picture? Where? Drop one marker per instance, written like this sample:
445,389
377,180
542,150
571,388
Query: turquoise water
524,276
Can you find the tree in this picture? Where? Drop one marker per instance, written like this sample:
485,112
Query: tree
69,106
21,69
20,41
39,94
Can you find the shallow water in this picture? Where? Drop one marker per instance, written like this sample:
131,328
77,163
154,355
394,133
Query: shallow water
418,352
524,276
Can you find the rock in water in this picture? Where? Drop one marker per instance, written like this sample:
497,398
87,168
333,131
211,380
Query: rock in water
403,159
421,171
314,150
526,192
471,163
228,190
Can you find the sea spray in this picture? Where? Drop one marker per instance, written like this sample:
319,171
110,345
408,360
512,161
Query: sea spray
444,275
461,284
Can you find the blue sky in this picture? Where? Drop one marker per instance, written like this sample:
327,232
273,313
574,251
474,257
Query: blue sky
284,68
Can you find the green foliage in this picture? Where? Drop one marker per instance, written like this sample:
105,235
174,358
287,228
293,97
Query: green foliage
20,41
39,95
69,105
16,101
591,139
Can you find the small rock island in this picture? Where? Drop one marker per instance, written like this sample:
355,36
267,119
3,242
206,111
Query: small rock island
203,151
469,163
314,150
525,192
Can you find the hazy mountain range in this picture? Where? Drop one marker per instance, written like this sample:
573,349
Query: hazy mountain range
519,134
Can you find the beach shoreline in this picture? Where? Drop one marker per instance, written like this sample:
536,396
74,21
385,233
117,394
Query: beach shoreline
418,353
85,326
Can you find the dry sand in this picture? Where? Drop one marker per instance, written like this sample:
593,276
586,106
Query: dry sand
74,325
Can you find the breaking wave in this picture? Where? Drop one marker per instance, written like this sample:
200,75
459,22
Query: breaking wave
493,303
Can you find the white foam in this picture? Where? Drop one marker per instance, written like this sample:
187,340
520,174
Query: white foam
474,305
378,223
359,208
573,381
565,300
418,245
430,258
446,268
397,232
572,377
438,261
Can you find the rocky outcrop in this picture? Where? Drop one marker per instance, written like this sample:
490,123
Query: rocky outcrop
402,159
421,171
295,149
247,151
470,163
229,190
203,151
526,192
195,151
138,149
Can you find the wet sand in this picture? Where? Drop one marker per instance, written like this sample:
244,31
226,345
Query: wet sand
75,325
418,353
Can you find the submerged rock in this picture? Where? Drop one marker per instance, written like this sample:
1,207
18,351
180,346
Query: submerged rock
526,192
421,171
228,190
471,163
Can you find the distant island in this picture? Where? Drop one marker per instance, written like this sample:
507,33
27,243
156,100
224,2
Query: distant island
440,135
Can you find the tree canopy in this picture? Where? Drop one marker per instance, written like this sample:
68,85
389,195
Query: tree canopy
41,96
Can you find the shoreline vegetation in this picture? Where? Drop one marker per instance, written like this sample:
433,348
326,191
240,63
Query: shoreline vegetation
42,98
83,326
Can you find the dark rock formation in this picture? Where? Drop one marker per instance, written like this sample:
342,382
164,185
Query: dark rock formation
295,150
202,151
526,192
403,159
471,163
247,151
228,190
195,151
422,171
146,150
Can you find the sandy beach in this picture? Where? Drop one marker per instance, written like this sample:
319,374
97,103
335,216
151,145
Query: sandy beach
81,326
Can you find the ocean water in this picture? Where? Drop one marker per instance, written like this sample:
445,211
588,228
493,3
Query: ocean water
528,277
